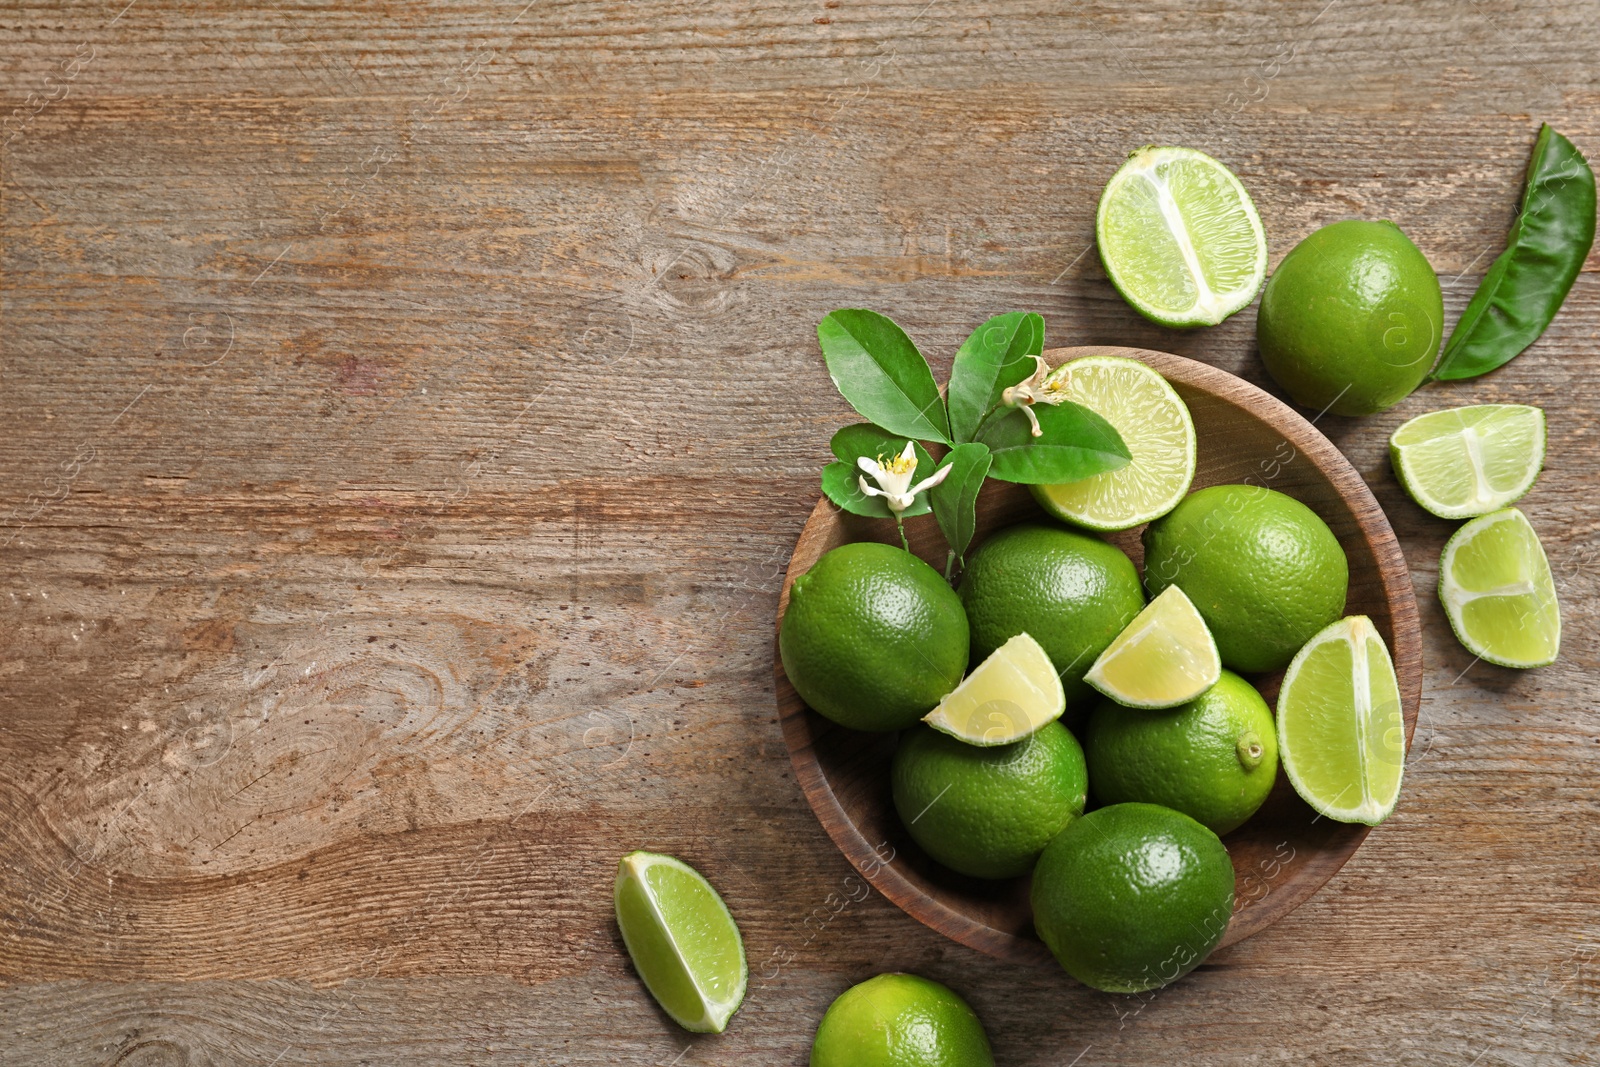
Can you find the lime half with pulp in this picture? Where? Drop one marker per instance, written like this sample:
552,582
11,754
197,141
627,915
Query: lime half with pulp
1464,462
1497,591
1155,425
1341,735
1012,693
1180,238
682,939
1164,658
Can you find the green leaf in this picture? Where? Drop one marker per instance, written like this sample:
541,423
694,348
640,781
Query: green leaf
1076,444
865,439
1545,250
955,500
841,479
996,357
883,376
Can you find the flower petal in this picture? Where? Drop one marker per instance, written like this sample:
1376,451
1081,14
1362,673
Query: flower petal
1028,411
932,480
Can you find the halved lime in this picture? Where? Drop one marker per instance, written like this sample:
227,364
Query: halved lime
1154,424
1464,462
1164,658
1341,735
1496,588
1179,237
683,940
1010,695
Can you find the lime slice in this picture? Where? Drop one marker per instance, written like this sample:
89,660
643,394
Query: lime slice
1465,462
1495,584
1165,656
1009,696
1154,424
1180,238
683,941
1341,736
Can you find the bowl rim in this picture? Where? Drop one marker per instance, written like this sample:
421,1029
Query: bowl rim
1394,578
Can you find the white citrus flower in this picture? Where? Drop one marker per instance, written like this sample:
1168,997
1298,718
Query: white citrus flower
894,478
1040,388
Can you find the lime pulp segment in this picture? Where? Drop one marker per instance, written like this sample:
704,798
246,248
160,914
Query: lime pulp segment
1180,237
683,940
1469,461
1155,425
1341,734
1164,658
1011,694
1498,593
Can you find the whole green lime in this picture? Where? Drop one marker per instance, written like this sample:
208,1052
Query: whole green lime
1214,758
1132,896
873,637
1352,318
900,1020
1264,571
1073,593
988,811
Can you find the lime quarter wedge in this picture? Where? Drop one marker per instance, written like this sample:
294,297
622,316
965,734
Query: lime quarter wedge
1179,237
682,939
1165,656
1464,462
1010,695
1341,735
1155,425
1496,588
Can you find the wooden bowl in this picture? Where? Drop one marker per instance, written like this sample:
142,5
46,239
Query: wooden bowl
1286,851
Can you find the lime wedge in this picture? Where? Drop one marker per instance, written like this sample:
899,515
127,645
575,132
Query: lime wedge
1009,696
1341,736
1496,588
1154,424
683,941
1179,237
1465,462
1165,656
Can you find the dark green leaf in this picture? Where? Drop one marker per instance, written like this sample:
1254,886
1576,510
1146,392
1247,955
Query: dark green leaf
865,439
1545,250
994,358
1076,444
883,376
955,499
841,479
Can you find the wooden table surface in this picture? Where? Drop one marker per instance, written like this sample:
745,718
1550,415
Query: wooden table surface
409,409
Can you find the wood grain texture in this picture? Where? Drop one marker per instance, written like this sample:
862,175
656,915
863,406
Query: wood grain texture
407,412
1286,851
